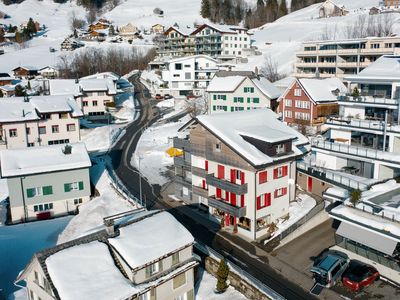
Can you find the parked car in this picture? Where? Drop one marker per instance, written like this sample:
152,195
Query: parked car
359,275
167,96
158,97
191,97
328,269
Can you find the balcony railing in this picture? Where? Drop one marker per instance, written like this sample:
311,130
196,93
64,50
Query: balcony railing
367,124
181,180
226,185
199,172
368,99
227,207
356,151
181,162
200,191
183,144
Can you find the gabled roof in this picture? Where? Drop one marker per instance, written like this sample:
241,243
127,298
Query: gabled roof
103,75
28,68
37,160
182,31
16,110
64,87
190,57
92,85
4,75
55,104
321,90
261,124
220,28
266,87
223,84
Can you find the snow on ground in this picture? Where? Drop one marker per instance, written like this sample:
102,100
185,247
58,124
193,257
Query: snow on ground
19,242
287,33
91,214
18,295
3,197
205,289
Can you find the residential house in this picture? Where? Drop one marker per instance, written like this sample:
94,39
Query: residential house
99,25
25,72
176,42
5,79
235,91
189,74
70,44
310,101
157,29
7,90
129,32
374,10
140,255
57,87
38,121
24,25
390,3
369,231
48,72
331,9
45,182
341,58
240,167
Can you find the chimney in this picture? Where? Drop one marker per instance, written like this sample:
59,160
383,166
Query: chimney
67,149
109,223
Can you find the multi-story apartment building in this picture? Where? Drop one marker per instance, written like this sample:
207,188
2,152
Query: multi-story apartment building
309,101
236,91
139,255
190,74
37,121
362,143
240,167
390,3
223,42
340,58
45,182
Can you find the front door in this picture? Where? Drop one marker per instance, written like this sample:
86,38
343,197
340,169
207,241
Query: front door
227,219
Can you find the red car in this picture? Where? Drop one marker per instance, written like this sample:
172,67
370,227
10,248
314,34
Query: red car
359,275
158,97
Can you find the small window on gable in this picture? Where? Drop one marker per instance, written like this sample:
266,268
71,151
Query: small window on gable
218,147
280,148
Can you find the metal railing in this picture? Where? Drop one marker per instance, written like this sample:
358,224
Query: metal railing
368,99
227,207
367,124
226,185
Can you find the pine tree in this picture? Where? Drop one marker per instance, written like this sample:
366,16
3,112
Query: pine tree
215,11
19,91
205,9
238,13
227,11
31,27
273,8
249,22
282,11
222,276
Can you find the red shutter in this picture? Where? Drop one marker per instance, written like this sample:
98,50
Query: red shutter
285,170
226,196
267,199
233,199
242,201
219,193
284,192
262,177
242,177
233,176
206,165
275,173
221,172
258,202
275,193
204,184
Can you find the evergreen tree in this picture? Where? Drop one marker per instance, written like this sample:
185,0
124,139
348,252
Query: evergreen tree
1,94
249,22
19,91
29,85
215,11
31,27
205,9
238,13
111,30
355,197
227,11
282,11
273,7
222,276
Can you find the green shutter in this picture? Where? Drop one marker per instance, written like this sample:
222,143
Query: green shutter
224,97
252,90
256,100
231,108
213,107
248,99
215,97
47,190
225,108
234,99
245,89
30,193
80,185
67,187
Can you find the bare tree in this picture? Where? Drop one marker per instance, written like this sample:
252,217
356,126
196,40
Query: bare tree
91,15
372,25
76,22
270,70
197,106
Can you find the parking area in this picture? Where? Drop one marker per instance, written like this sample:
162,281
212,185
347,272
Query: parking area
301,252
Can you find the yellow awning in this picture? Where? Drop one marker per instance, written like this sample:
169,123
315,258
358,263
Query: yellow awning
172,152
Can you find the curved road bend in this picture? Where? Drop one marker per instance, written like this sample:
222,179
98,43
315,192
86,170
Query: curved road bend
207,234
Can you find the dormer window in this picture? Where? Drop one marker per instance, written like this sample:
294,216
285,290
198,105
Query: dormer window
280,148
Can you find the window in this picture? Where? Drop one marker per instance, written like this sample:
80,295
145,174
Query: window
89,94
12,132
85,103
54,129
31,144
152,269
36,277
256,100
145,296
297,93
101,93
46,116
280,148
249,90
179,280
77,201
42,130
71,127
48,206
178,66
63,115
74,186
187,66
34,192
298,103
280,192
263,201
288,102
175,258
262,177
94,103
47,190
288,114
28,130
280,172
218,147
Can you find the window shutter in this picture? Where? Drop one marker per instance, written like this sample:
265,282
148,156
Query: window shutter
203,183
275,193
242,201
284,192
231,108
67,187
258,202
268,199
285,170
242,177
233,176
215,97
226,196
219,193
30,193
206,165
275,173
263,177
221,172
233,199
234,99
47,190
80,185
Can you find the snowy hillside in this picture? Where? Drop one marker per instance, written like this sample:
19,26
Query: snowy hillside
285,35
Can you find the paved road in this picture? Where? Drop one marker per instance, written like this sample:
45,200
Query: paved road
203,232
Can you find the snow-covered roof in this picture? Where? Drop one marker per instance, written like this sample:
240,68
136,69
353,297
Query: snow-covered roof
89,85
28,68
151,238
183,31
386,68
321,90
261,124
59,103
223,84
266,87
64,87
14,110
7,88
36,160
103,75
88,271
184,58
221,28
